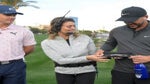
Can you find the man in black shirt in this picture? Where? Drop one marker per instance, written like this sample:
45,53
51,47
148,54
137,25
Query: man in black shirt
134,38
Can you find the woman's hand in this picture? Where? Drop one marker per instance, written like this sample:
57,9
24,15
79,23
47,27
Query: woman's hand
97,58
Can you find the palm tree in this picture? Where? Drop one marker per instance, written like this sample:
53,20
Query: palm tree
18,3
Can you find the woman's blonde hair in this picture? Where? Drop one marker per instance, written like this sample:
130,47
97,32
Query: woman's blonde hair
55,26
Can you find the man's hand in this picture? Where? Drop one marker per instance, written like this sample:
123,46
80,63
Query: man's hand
100,53
140,59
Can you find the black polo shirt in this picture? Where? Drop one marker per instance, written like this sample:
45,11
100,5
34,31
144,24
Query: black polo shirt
127,40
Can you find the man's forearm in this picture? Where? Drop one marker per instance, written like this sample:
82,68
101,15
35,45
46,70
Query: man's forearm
28,49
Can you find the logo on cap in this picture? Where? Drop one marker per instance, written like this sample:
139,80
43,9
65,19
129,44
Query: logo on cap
124,14
11,9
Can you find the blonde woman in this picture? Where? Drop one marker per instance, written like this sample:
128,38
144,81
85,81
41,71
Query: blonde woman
71,52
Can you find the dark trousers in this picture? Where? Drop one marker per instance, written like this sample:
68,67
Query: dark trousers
84,78
13,73
127,78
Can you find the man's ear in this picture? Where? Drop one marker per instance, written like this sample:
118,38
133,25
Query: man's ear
146,16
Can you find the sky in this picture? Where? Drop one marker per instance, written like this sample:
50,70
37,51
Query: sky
92,14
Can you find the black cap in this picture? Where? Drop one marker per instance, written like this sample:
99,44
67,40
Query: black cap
131,14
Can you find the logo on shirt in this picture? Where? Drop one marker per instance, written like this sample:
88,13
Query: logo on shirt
14,33
146,36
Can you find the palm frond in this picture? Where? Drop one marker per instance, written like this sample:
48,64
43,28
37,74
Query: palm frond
31,1
19,3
